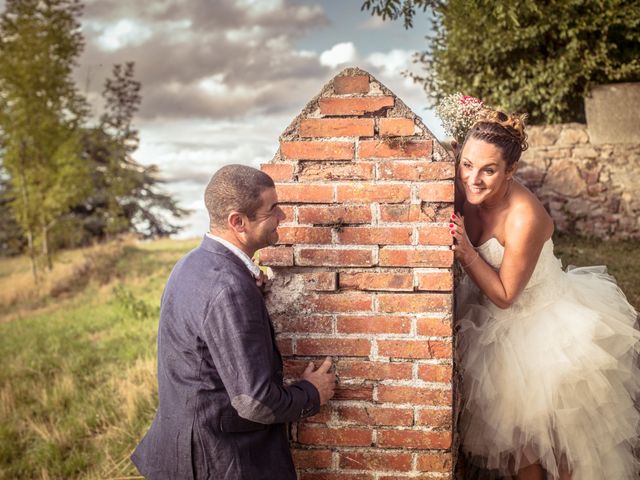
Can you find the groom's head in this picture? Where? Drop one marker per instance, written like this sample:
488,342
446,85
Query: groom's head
242,201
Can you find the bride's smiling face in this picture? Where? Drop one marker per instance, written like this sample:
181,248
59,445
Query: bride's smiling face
483,172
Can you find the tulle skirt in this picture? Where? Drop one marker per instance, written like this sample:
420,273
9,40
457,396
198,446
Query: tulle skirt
551,380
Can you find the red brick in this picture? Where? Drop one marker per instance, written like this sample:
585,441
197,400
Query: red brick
441,281
346,347
354,106
323,416
375,235
379,461
418,439
374,370
354,392
303,235
440,418
285,345
279,172
396,127
367,193
320,281
434,462
306,324
414,395
427,212
300,193
340,302
373,324
334,258
415,349
334,214
377,281
434,235
317,150
391,257
311,458
437,192
336,127
414,302
435,373
392,148
356,437
293,369
334,476
310,172
351,84
416,171
288,211
376,415
434,327
276,256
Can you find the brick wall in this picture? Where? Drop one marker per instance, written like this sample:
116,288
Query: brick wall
363,273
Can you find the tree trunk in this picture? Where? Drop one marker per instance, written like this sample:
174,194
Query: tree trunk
45,246
27,222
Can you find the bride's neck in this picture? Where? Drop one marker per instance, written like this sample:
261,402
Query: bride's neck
500,199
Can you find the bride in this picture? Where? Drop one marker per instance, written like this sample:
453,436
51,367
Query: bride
548,357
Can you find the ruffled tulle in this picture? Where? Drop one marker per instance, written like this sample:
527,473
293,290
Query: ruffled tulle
553,379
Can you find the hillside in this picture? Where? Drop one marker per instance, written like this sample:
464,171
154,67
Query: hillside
77,387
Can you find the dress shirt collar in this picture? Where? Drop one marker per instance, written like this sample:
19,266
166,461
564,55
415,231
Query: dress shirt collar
253,268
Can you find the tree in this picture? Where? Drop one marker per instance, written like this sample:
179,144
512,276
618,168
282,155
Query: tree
40,114
536,57
124,195
12,240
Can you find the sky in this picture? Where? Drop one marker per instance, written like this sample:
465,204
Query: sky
222,79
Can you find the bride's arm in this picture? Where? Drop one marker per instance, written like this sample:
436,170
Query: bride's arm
526,232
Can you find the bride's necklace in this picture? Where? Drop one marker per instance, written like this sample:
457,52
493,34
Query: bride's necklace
500,202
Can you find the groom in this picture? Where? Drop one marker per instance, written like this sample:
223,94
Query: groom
223,407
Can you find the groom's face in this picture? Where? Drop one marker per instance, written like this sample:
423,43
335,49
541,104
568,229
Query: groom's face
262,230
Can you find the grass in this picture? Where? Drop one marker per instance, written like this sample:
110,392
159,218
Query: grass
77,387
77,383
622,259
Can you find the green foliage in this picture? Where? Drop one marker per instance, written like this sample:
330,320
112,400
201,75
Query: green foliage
40,113
133,306
124,195
539,58
65,183
394,9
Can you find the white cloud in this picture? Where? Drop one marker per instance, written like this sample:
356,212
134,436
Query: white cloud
339,54
374,22
393,62
124,32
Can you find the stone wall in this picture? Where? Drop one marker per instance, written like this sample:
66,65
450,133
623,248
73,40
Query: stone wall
363,273
589,189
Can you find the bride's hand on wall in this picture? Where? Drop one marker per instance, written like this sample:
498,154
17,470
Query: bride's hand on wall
462,248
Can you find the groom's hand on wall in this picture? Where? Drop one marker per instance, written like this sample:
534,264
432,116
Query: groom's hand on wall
323,379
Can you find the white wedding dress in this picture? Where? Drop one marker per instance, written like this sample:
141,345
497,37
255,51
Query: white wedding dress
552,378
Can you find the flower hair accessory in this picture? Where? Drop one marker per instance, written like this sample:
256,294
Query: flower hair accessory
458,113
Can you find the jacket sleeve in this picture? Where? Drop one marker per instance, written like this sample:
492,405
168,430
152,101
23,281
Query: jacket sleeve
242,351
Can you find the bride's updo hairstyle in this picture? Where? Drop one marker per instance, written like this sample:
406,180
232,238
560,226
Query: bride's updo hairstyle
504,131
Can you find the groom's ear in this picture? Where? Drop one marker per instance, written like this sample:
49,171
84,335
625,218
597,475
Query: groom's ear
236,222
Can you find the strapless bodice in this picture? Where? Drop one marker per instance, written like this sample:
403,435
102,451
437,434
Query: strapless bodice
546,282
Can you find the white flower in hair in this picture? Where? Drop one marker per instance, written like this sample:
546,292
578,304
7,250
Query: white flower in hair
458,113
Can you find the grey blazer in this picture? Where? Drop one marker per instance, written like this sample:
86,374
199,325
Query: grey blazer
223,408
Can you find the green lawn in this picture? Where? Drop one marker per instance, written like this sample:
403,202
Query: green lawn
77,383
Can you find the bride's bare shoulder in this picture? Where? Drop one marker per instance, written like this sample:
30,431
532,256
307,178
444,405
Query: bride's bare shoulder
528,212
